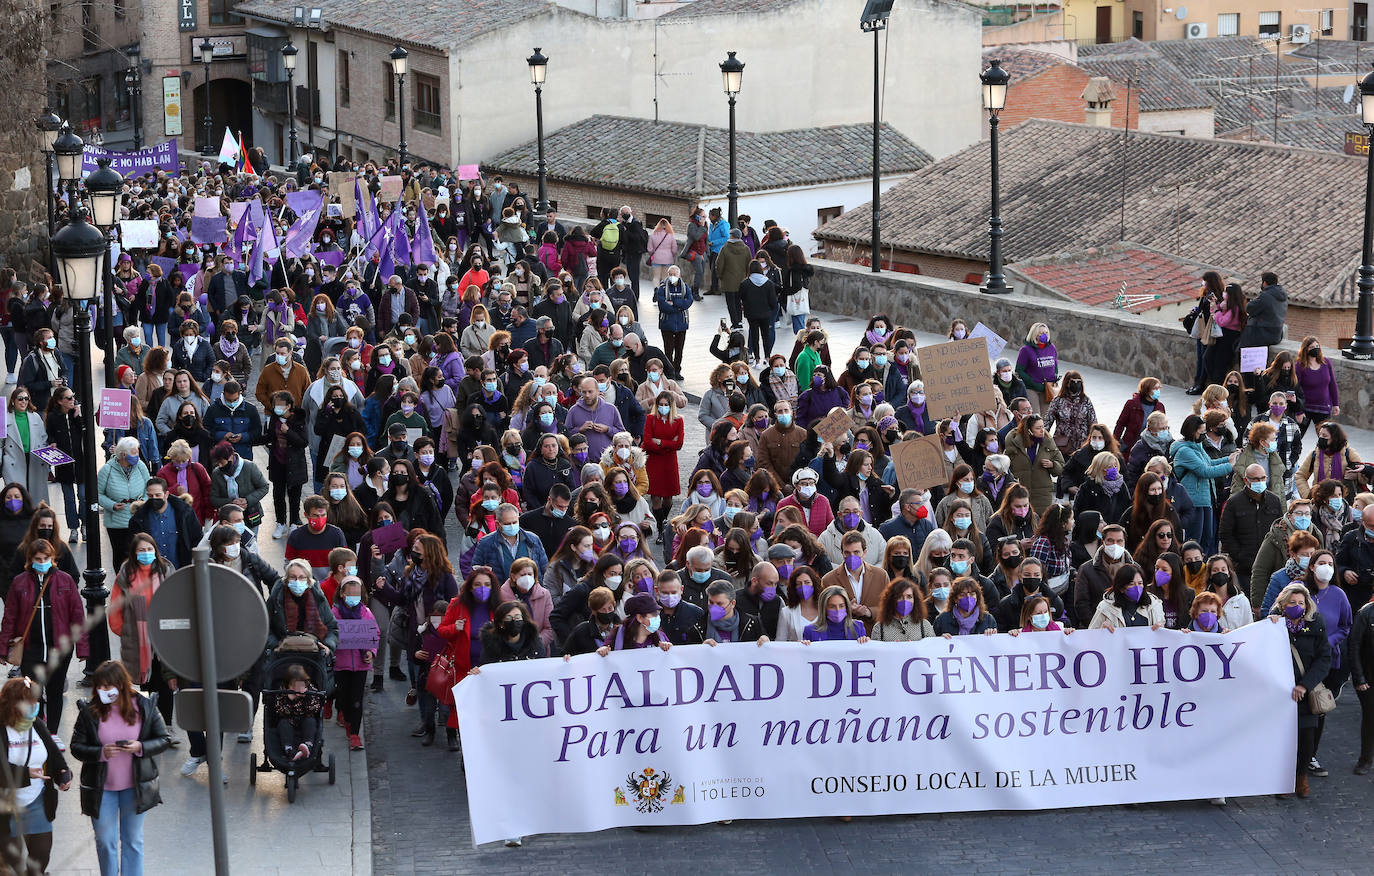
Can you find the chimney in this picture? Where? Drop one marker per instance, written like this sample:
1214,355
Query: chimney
1099,95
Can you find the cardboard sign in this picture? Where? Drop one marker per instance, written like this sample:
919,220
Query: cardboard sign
115,407
996,343
52,456
333,211
834,426
413,435
389,538
391,189
1253,359
468,171
341,187
361,634
958,380
920,462
335,448
138,233
427,198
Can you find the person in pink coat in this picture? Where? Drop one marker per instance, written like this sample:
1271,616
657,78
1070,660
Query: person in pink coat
523,586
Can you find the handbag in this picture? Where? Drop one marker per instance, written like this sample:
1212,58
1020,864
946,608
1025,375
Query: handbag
799,302
1051,390
1320,699
1204,332
1189,319
16,652
443,675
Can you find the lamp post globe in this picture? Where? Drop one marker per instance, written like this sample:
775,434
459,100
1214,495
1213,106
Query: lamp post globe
79,247
68,148
48,125
105,186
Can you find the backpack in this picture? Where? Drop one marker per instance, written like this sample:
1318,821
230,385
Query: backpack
549,258
610,236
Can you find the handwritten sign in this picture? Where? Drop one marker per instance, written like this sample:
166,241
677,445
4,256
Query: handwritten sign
1253,359
341,187
52,456
920,462
958,380
996,343
115,408
361,634
390,189
389,538
138,233
413,435
834,426
468,171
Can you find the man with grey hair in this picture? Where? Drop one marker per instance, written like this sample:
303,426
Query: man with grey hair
508,543
698,574
638,354
610,349
1246,520
395,300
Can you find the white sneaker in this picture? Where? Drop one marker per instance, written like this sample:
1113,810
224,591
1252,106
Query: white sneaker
279,531
12,378
246,737
192,764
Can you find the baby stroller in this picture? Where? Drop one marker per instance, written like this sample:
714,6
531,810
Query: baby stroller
298,650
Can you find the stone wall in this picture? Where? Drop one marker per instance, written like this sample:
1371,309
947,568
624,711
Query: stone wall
23,205
1123,343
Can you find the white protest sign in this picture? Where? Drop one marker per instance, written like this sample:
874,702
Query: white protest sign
1038,721
996,343
138,233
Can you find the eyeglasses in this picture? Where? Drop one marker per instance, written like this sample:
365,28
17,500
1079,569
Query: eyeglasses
1164,535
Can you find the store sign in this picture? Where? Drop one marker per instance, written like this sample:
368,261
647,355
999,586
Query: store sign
235,46
1356,144
171,106
188,16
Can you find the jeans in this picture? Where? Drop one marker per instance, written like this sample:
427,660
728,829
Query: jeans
119,835
11,348
68,361
160,329
762,332
1207,531
798,323
382,613
1200,371
70,494
698,272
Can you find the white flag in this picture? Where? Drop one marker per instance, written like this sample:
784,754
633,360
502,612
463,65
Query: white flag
229,149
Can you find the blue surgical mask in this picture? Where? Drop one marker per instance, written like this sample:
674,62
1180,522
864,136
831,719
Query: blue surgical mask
779,371
282,358
653,623
337,493
240,527
1302,521
701,577
510,530
958,567
663,410
353,601
1259,486
546,420
145,558
489,386
940,594
490,504
1303,561
962,523
297,587
43,567
1335,503
784,420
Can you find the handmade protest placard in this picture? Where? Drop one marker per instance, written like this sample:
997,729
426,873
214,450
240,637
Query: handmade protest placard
115,405
341,187
920,462
1253,359
957,378
834,426
390,189
138,233
359,634
996,343
52,456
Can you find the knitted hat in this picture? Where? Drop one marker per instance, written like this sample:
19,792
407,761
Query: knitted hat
640,603
121,371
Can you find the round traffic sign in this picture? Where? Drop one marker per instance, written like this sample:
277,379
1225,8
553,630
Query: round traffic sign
240,619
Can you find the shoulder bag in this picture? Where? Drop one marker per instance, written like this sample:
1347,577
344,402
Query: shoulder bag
1320,699
16,652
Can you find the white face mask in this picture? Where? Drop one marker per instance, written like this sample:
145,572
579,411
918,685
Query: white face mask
108,697
232,550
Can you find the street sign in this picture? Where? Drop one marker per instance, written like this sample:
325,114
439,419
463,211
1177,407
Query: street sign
235,710
240,616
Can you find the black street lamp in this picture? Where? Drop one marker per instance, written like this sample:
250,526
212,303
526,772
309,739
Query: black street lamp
288,60
539,67
1362,345
732,76
133,80
398,66
68,150
48,126
80,249
995,81
105,186
874,20
207,54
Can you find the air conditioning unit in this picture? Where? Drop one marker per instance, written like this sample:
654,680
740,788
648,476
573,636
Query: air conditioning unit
1300,33
1195,31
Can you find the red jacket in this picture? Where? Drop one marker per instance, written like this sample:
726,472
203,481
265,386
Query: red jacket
819,515
69,616
1131,421
197,482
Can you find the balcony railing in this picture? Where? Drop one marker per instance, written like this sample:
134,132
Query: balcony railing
307,110
427,121
269,96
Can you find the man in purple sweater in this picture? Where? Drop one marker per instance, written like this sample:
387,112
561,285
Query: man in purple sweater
593,417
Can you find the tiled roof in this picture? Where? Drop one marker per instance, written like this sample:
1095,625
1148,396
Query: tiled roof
728,7
1095,276
433,23
693,160
1245,206
1309,132
1338,56
1156,83
1024,63
1242,103
1225,57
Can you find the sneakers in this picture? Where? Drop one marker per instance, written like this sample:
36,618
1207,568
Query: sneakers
354,742
279,531
246,736
1316,769
192,764
74,537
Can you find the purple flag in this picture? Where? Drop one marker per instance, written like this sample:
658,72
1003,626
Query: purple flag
386,237
307,206
330,258
367,215
255,258
422,247
188,269
250,219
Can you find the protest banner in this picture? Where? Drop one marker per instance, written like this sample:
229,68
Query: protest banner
390,191
163,156
996,343
696,734
361,633
52,455
834,426
115,408
958,380
341,186
138,233
1253,359
920,462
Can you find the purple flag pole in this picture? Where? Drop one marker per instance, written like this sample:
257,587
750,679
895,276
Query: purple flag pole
422,247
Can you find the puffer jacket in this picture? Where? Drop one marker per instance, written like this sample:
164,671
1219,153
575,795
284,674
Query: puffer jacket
1195,470
635,467
86,747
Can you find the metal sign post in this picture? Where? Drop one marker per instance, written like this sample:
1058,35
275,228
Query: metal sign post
209,676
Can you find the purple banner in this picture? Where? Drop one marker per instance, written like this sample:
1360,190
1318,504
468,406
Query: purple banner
163,156
307,206
422,247
167,265
210,230
332,258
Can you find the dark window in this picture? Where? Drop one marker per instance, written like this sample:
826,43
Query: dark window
1270,24
1138,25
650,219
119,9
342,73
427,103
388,92
221,14
825,214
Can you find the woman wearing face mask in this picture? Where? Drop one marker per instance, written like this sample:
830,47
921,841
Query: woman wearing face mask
287,468
351,665
121,483
42,524
1099,440
1103,489
1333,512
118,737
1149,506
912,415
1312,660
572,608
335,420
33,761
1261,448
1334,607
902,614
1071,414
185,391
1037,365
16,516
1035,460
188,480
1128,603
1222,581
476,338
802,608
963,485
1037,617
414,505
1014,517
343,509
233,351
897,562
966,614
1131,421
1333,458
44,614
1170,586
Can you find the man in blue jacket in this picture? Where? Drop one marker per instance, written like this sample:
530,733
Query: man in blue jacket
230,418
715,239
501,548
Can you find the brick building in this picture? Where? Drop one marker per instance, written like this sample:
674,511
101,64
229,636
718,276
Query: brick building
1184,197
87,59
799,178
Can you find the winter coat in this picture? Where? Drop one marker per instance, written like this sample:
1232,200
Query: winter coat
67,433
1314,650
1266,314
732,265
252,487
22,467
1244,523
187,525
116,484
758,300
68,614
540,605
1195,470
673,303
87,748
1035,477
1109,613
1091,584
1272,555
1272,464
244,421
1131,421
276,616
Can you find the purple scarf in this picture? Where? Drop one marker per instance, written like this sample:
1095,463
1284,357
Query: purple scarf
1032,449
918,416
229,350
1336,468
965,623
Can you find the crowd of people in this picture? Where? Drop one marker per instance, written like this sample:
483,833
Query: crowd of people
489,453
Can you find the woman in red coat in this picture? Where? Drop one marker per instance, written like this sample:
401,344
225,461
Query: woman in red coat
663,432
1134,411
188,479
46,640
456,629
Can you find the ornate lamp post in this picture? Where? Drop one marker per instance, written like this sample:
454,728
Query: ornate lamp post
1362,345
288,60
539,67
995,81
398,66
732,77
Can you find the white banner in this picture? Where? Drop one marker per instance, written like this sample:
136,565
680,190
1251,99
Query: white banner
1039,721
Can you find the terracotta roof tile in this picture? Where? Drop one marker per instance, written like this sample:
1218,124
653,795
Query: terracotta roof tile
433,23
1156,83
1247,207
1095,276
1025,63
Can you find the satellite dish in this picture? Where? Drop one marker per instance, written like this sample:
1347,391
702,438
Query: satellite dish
1181,13
1349,93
